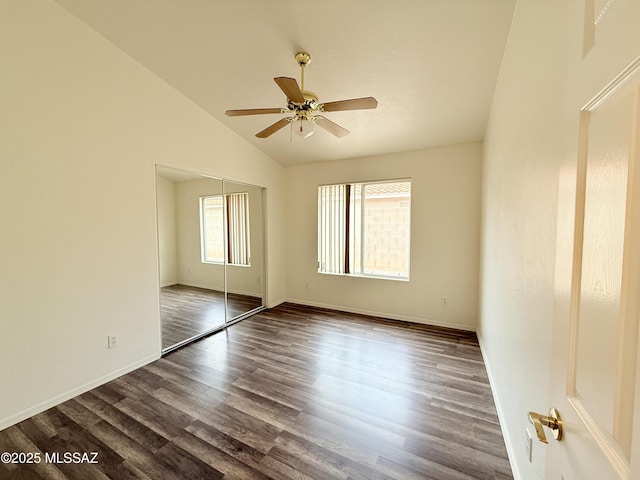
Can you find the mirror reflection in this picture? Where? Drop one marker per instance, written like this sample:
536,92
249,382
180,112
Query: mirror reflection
210,253
244,267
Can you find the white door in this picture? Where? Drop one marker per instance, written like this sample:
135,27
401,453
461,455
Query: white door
595,367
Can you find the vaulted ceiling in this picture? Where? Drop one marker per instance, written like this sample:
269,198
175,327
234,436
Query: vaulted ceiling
431,64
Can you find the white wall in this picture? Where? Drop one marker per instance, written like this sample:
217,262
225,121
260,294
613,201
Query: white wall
83,126
520,182
191,270
445,222
167,238
529,181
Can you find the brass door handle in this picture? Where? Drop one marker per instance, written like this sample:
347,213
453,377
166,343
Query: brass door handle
552,421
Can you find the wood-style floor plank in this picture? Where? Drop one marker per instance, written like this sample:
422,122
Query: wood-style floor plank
291,393
187,311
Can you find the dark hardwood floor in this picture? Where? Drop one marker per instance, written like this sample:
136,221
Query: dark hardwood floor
290,393
188,311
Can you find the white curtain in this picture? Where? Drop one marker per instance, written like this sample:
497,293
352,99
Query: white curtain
238,248
332,228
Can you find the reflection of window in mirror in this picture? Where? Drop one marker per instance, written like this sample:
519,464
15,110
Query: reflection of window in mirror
231,209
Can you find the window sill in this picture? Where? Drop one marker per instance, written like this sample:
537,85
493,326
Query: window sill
366,275
223,264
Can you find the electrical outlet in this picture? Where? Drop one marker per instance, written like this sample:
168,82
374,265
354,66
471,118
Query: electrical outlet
307,286
444,302
112,341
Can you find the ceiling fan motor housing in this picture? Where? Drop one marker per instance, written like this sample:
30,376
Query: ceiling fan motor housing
310,102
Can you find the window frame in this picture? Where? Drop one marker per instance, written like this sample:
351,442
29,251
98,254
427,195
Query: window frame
203,229
226,231
354,237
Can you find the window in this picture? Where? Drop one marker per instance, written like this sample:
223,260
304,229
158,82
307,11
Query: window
224,228
364,228
212,229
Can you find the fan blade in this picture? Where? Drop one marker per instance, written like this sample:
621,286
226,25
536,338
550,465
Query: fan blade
254,111
271,129
352,104
330,126
290,88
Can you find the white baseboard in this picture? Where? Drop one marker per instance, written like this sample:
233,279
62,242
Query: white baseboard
275,303
508,441
404,318
201,285
214,289
57,400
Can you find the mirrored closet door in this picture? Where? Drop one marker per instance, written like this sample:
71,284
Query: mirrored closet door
211,254
245,253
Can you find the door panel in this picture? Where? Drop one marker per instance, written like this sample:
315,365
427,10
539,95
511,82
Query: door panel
601,368
598,384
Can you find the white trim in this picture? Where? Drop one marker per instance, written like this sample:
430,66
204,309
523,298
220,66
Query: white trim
201,172
63,397
606,443
622,79
215,289
275,303
391,316
369,275
509,444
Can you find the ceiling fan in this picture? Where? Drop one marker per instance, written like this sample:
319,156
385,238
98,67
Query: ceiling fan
304,108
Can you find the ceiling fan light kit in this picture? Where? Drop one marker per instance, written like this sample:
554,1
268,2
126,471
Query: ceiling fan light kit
304,128
304,107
